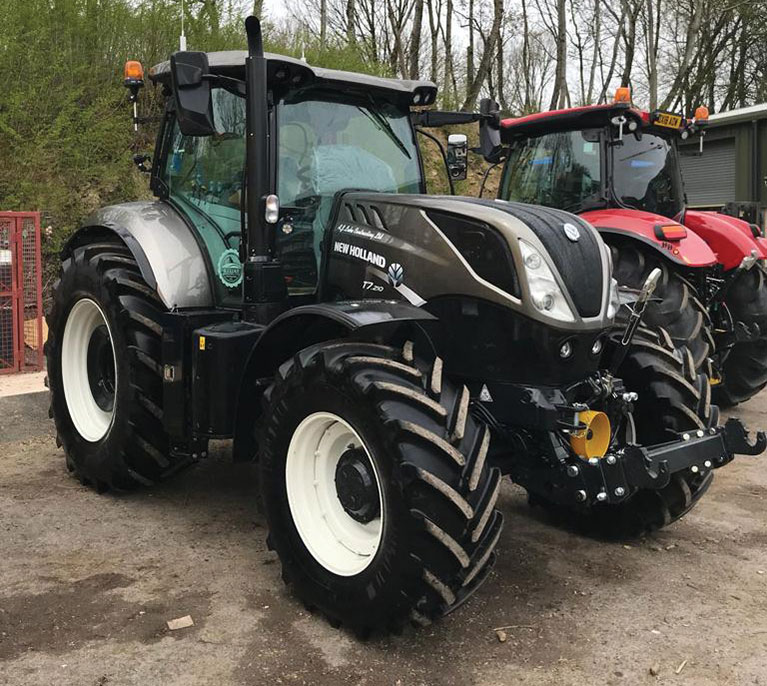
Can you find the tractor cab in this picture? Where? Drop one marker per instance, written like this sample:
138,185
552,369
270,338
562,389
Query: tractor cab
618,168
328,131
597,157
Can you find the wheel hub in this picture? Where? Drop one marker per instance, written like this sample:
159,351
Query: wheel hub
101,368
356,485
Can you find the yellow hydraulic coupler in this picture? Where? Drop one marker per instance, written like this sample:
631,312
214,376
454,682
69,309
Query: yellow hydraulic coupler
594,440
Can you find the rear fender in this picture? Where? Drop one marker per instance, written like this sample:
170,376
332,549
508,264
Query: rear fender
690,251
729,237
163,245
379,321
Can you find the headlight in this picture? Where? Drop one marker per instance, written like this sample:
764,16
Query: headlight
546,294
615,300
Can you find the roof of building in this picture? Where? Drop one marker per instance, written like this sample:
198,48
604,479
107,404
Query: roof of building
232,63
739,115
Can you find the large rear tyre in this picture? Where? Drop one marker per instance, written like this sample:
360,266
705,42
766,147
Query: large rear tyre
673,398
679,311
380,503
104,374
744,371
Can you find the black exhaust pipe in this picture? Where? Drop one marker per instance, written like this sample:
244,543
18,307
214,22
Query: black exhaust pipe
264,291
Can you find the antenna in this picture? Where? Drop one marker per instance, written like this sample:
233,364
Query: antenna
182,37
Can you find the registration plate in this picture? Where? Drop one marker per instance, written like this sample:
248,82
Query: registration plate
670,121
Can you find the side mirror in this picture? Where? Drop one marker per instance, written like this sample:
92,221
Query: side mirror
490,130
457,151
189,73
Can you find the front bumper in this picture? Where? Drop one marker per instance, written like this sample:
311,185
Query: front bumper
618,475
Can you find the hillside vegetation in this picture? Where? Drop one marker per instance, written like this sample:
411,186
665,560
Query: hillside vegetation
66,138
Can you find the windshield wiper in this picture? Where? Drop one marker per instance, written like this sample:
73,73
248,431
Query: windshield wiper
379,120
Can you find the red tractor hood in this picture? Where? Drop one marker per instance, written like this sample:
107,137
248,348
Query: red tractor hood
730,238
690,251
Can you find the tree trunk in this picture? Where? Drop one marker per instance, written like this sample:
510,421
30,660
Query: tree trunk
435,22
629,39
415,41
323,23
693,29
470,49
558,95
351,21
487,57
449,70
526,57
597,29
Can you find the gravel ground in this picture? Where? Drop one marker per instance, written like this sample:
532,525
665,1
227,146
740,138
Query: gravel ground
87,583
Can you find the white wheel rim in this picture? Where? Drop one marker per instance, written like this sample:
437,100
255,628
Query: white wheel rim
337,541
90,420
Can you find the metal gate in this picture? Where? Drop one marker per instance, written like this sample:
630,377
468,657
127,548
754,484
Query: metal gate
21,293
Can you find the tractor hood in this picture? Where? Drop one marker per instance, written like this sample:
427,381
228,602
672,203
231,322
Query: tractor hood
731,238
689,251
427,247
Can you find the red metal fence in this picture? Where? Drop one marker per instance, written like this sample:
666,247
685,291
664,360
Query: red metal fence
21,293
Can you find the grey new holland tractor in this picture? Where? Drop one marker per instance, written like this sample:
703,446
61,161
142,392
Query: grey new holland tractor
384,355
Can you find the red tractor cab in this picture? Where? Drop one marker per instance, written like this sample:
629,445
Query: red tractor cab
618,167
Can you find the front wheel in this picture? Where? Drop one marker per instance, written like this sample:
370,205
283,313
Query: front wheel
380,503
744,371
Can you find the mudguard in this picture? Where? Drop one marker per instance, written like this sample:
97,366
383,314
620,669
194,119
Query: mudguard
300,327
690,251
167,253
730,238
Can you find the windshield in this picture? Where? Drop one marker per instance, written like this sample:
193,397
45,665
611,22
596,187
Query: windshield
326,146
646,175
558,170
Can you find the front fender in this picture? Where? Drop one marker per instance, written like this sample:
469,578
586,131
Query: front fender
690,251
729,237
373,320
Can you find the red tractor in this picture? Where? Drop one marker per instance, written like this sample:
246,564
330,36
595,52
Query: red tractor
618,168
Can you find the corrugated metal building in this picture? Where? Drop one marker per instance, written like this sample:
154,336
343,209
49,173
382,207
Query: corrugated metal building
732,172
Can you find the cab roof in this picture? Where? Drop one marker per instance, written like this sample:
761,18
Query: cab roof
579,119
571,119
288,71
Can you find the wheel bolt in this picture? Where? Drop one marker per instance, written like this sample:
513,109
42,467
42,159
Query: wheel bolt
572,470
700,433
580,496
707,464
601,496
694,469
611,459
593,461
686,437
620,491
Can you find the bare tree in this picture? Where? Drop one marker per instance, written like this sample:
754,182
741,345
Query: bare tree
488,52
415,41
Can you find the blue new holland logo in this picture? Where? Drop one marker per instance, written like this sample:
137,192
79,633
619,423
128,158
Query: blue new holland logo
396,274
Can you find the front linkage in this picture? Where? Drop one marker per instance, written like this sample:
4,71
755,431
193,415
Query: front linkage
620,474
595,468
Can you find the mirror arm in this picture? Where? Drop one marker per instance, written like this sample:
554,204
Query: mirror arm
443,153
437,118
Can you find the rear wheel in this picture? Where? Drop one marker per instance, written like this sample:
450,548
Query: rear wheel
673,398
380,503
744,371
679,311
103,356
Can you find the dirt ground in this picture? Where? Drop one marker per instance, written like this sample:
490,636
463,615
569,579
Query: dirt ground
87,583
